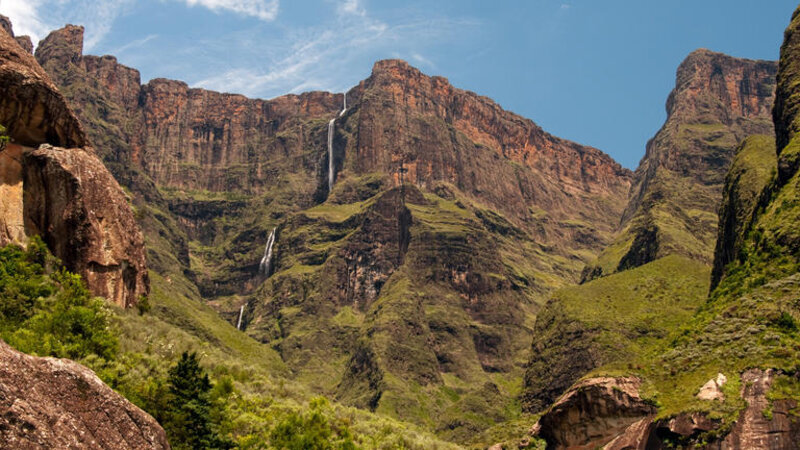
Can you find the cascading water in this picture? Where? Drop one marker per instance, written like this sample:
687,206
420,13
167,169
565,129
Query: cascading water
330,143
239,322
266,261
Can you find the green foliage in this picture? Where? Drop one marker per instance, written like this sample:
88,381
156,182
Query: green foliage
50,312
188,423
3,137
311,429
143,305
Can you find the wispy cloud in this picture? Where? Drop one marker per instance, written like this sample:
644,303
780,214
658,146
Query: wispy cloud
137,43
38,17
419,59
322,57
262,9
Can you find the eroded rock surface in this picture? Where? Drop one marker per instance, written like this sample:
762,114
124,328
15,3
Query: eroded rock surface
608,413
31,108
66,195
48,403
718,100
74,203
593,413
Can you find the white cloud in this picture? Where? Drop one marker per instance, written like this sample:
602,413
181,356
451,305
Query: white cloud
329,57
352,7
419,59
262,9
38,17
133,45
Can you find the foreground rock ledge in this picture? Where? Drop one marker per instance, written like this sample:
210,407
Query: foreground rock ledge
608,413
48,403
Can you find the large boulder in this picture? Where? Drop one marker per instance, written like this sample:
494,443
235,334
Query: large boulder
57,403
66,195
74,203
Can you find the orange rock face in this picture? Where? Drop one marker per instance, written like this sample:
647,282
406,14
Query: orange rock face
66,195
441,133
83,215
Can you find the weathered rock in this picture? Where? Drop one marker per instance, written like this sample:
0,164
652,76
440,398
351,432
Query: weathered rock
26,43
65,195
12,223
712,390
787,99
31,108
442,133
50,403
74,203
753,429
718,100
593,413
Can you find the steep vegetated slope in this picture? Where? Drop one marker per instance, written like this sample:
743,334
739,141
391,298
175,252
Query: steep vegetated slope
415,300
47,310
728,377
718,100
671,213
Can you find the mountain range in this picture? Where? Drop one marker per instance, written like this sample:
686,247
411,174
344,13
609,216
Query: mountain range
442,271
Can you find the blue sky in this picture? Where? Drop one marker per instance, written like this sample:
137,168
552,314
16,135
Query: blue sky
597,72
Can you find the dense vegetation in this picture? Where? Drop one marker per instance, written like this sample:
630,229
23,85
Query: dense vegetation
187,380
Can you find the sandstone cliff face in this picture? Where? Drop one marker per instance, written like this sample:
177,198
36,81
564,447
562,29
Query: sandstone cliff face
718,100
441,133
56,403
65,195
367,300
72,201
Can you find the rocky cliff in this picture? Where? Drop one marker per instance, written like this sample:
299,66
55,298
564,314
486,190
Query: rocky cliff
718,100
727,377
57,403
547,185
66,195
494,214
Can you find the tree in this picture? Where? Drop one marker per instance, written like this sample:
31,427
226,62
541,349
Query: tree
189,420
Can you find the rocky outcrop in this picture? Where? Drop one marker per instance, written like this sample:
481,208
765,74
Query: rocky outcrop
31,108
441,133
12,223
83,215
750,175
787,99
65,195
23,41
593,413
718,100
57,403
608,412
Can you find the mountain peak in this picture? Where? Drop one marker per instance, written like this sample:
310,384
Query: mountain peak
64,45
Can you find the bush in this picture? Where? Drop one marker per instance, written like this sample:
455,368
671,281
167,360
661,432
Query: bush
311,429
50,314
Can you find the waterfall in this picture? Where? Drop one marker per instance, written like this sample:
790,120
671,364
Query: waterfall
330,143
266,261
330,155
239,322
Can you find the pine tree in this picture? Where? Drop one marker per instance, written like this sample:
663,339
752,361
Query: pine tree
189,423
